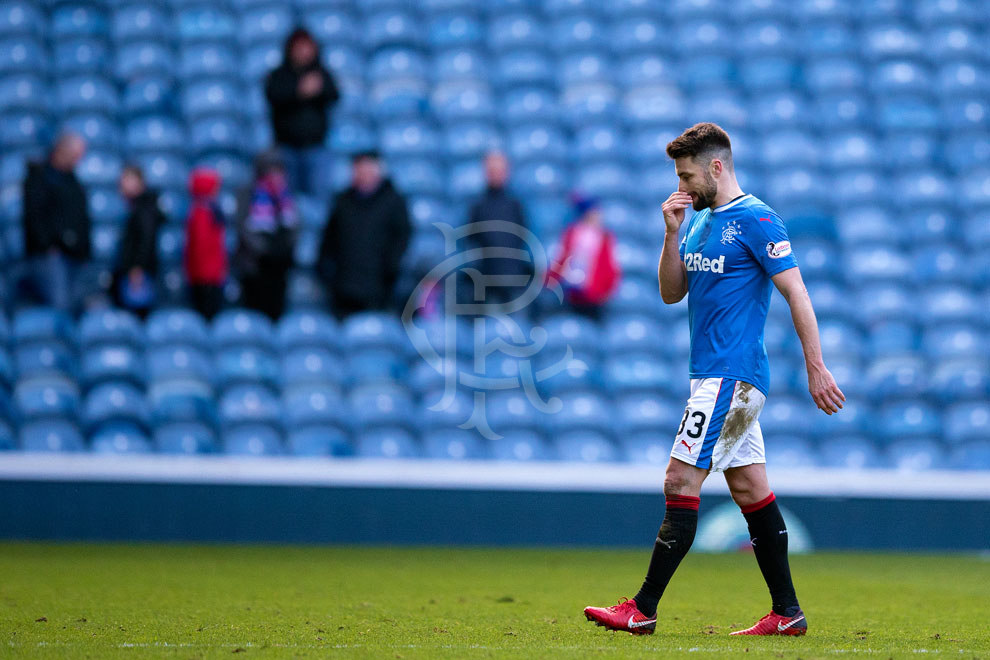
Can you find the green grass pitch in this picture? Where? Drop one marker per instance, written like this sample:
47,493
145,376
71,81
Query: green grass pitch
138,601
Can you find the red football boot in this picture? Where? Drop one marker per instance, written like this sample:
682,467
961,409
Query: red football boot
624,616
775,624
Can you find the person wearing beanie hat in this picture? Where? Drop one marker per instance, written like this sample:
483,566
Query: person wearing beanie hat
585,265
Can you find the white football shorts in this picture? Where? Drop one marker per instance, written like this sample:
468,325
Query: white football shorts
720,427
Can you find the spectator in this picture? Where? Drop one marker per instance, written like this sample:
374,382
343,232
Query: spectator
56,223
137,262
497,203
586,265
364,239
267,224
206,251
301,92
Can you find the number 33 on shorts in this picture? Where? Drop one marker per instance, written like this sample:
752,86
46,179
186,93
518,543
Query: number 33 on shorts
719,428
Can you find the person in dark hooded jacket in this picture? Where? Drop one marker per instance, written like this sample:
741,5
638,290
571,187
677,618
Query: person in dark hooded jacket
301,93
56,222
137,261
267,226
364,239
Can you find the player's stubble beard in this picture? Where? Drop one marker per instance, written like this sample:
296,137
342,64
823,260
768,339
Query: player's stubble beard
707,194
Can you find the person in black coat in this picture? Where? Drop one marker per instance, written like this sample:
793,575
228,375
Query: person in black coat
497,203
365,236
301,93
56,223
137,261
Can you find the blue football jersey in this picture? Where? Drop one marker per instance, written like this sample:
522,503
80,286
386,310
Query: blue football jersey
730,253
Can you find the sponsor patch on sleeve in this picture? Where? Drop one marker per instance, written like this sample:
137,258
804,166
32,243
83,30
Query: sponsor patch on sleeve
778,250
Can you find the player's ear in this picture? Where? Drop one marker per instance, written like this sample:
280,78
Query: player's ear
715,168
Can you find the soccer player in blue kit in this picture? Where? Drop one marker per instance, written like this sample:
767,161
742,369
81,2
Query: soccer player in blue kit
733,248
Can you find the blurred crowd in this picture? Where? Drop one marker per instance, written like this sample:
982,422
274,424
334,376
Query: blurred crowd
366,234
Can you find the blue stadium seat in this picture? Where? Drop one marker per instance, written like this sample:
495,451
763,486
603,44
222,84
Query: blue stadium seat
470,139
99,131
259,60
633,373
648,448
967,148
77,21
454,444
722,105
768,73
946,304
586,446
786,415
188,438
139,22
440,411
515,31
22,92
409,138
530,104
967,421
246,365
905,149
314,405
148,95
466,179
218,134
312,364
86,93
965,77
21,54
46,397
243,327
331,25
910,418
536,141
577,33
463,100
581,411
313,329
252,440
211,97
205,23
198,61
392,28
20,17
182,400
520,445
113,402
45,358
890,338
425,377
913,112
110,326
99,168
963,113
7,374
109,363
8,439
155,133
952,41
971,456
42,324
916,455
390,442
381,405
508,412
467,64
898,377
372,330
177,326
790,451
454,29
960,379
639,34
249,404
853,453
515,68
120,439
647,412
877,263
51,436
419,176
80,56
271,22
179,361
318,441
843,110
834,74
633,333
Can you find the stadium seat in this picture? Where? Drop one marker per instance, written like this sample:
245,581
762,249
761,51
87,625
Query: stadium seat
646,412
916,455
46,397
520,445
45,358
961,379
182,400
851,453
632,334
971,456
110,326
42,324
120,439
242,327
786,415
586,446
631,373
381,405
266,23
148,95
27,93
515,31
252,440
454,444
249,404
113,402
967,421
910,418
387,443
177,327
318,441
184,438
518,68
50,436
246,365
108,363
77,21
579,412
314,405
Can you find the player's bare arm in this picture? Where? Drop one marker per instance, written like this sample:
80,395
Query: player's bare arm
671,272
826,394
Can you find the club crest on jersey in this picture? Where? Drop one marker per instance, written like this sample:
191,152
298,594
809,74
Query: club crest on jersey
778,250
693,261
730,232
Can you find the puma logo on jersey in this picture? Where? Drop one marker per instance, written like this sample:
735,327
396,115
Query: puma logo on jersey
693,261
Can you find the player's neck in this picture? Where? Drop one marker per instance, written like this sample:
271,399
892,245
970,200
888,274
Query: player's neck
727,193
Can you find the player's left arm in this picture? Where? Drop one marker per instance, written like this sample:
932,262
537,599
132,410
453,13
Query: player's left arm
827,395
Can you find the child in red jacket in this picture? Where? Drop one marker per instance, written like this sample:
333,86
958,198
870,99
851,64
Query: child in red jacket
586,266
206,247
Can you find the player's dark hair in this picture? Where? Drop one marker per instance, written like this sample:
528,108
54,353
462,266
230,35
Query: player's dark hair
702,142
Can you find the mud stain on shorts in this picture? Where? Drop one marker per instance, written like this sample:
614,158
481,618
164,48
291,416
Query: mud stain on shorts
739,419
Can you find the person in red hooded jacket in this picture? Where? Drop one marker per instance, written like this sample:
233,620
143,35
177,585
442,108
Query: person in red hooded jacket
206,247
585,265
